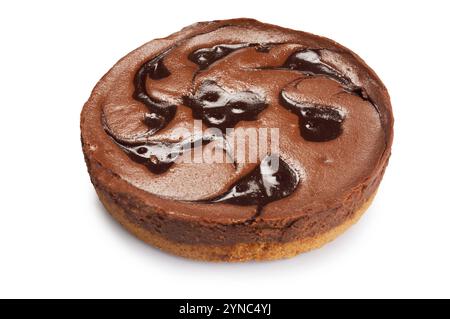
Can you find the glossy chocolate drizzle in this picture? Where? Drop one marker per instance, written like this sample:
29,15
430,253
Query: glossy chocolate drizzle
271,180
159,156
308,62
318,123
160,112
219,108
204,57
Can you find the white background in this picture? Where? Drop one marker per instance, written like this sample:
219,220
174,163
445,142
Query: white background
56,240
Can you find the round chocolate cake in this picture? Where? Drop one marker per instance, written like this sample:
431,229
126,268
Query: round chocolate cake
237,140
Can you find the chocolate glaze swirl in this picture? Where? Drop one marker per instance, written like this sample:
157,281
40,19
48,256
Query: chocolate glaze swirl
266,183
219,108
204,57
308,62
318,123
160,112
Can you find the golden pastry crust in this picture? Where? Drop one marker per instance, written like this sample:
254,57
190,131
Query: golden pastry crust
231,253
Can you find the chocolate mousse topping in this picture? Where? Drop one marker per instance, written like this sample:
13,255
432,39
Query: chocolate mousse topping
332,112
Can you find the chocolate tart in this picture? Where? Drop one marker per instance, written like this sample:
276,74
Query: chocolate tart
331,112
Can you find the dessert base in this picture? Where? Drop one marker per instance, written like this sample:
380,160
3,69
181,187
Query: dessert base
231,253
